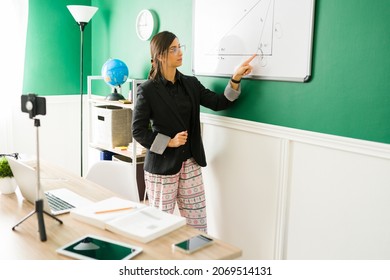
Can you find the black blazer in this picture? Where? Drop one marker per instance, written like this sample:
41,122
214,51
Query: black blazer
155,113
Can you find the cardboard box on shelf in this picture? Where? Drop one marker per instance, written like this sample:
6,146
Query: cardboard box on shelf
111,125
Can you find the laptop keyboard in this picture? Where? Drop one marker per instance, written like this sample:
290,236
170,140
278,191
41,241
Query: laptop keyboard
56,203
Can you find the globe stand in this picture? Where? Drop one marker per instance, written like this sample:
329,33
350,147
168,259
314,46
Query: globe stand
115,96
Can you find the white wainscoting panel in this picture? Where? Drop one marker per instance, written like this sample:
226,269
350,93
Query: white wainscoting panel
339,205
242,183
281,193
59,132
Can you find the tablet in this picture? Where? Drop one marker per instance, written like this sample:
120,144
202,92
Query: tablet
91,247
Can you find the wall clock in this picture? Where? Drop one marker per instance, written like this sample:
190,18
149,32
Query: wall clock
146,24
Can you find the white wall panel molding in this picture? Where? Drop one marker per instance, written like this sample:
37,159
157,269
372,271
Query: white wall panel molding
296,135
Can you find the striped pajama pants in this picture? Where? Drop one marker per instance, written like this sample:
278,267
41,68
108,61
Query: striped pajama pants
184,188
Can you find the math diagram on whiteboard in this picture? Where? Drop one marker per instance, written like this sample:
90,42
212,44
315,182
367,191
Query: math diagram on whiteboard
279,32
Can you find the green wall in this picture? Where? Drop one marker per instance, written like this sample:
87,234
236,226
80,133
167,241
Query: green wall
52,64
348,94
114,33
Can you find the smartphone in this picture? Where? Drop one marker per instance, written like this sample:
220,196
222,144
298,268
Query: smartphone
193,244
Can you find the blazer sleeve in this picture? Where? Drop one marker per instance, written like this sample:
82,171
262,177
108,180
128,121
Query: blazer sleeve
141,130
215,101
144,111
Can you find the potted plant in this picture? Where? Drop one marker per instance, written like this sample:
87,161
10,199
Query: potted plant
7,181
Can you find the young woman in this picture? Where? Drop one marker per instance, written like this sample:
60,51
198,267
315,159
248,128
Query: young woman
166,121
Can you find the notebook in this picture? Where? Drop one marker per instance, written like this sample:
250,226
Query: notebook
130,219
56,201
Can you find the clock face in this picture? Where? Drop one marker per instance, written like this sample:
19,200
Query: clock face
146,24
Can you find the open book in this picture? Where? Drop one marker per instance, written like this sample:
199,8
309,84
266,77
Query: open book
134,220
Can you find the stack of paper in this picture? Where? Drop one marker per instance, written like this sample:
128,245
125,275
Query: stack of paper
134,220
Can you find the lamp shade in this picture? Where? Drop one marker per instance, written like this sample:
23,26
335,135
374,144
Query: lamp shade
82,13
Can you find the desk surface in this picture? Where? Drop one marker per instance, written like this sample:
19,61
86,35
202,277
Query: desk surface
24,242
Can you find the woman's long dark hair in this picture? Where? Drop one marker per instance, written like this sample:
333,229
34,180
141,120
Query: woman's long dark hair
159,47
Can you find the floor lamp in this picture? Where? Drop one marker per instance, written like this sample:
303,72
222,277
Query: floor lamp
82,15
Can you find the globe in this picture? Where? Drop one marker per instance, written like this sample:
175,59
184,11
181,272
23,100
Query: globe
115,72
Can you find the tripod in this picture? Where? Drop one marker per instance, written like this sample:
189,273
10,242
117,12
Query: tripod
39,201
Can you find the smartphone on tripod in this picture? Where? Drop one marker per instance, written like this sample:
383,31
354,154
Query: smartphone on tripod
33,105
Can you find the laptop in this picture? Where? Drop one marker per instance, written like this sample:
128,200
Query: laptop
56,201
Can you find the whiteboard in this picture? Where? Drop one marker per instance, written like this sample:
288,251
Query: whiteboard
280,32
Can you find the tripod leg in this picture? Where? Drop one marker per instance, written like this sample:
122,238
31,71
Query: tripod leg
54,217
41,220
25,218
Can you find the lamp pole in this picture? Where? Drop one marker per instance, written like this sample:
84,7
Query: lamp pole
82,27
82,15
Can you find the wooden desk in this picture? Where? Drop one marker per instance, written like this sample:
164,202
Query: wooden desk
24,242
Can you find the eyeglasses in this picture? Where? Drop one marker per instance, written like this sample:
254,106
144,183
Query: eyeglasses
175,50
